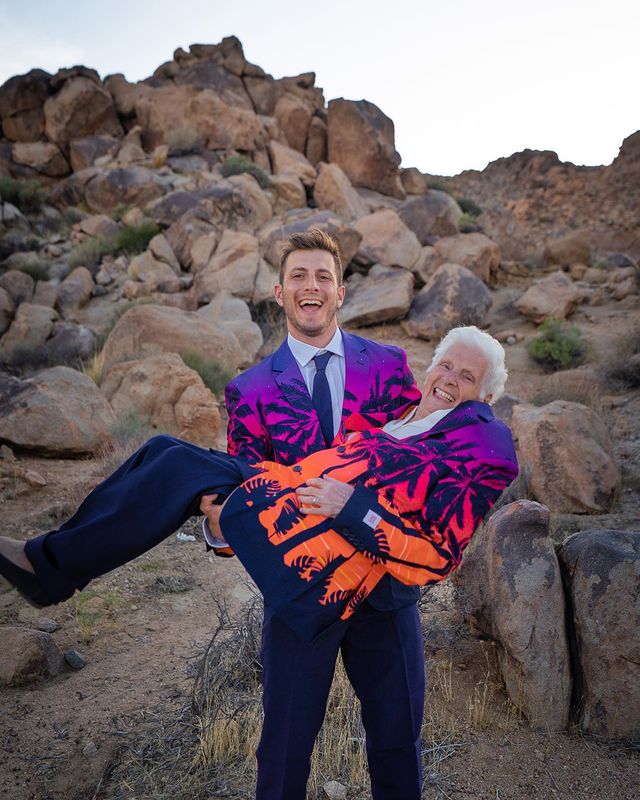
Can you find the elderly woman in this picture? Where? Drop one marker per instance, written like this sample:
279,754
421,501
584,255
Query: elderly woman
318,536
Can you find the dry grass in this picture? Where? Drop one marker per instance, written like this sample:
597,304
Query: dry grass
94,368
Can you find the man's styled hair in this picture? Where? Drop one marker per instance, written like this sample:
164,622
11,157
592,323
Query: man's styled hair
496,377
313,239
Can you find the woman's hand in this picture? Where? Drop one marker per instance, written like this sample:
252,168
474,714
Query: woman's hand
326,496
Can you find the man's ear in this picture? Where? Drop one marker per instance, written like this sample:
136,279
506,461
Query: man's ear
341,293
277,293
488,398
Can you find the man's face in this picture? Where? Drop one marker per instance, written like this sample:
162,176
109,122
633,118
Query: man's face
310,296
457,376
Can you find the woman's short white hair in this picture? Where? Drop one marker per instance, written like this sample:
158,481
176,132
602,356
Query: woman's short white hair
496,375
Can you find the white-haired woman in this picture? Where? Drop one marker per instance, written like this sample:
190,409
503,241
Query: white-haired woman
403,499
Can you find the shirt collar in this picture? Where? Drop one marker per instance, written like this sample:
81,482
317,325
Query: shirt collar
303,352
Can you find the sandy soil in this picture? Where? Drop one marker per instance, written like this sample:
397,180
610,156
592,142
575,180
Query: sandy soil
143,628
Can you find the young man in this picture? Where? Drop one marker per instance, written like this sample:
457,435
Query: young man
272,416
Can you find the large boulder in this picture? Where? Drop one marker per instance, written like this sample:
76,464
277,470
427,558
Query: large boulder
602,578
170,394
237,267
567,451
58,411
294,117
316,149
18,285
361,140
134,186
432,214
21,105
81,108
24,340
287,161
574,248
556,296
234,314
149,329
475,251
28,656
43,157
333,190
452,296
7,307
510,584
85,151
70,344
154,273
384,295
288,192
74,292
387,240
205,73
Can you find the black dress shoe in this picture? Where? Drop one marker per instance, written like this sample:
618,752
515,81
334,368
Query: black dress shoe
25,582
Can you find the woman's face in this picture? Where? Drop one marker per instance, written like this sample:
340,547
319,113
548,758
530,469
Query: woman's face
457,376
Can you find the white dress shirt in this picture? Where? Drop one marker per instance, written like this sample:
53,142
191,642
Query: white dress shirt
403,428
335,371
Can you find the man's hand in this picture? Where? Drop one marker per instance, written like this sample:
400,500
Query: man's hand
325,496
212,513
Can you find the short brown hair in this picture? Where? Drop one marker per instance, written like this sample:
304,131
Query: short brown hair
313,239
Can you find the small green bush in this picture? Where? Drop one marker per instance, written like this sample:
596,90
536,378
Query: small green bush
37,269
27,195
469,206
88,253
559,346
622,367
214,375
235,165
182,140
468,224
133,239
438,184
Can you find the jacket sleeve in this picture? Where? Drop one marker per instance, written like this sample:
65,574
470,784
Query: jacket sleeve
423,549
246,435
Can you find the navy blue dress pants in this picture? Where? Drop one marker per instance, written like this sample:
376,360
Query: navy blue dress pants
145,500
382,652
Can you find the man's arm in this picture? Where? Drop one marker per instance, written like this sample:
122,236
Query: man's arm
246,435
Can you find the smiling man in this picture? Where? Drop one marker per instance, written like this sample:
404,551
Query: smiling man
318,383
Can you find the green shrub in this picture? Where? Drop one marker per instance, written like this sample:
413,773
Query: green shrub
133,239
622,367
235,165
558,346
37,269
213,374
469,206
27,195
183,139
468,224
438,184
88,253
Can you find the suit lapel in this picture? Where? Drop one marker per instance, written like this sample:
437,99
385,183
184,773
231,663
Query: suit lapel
356,382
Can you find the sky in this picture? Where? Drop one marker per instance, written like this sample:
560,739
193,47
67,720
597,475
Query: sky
465,82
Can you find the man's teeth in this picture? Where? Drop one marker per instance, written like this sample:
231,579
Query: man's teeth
444,395
310,303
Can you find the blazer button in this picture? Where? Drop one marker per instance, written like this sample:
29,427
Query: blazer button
297,468
341,449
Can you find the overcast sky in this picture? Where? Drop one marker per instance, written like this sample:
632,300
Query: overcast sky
465,82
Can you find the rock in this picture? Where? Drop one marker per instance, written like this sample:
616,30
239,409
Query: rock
413,181
566,250
74,292
75,659
426,265
80,108
170,394
90,749
148,329
43,157
173,205
7,307
272,235
256,206
602,578
627,287
84,152
58,411
567,451
510,584
238,268
475,251
129,185
99,225
334,191
23,342
294,116
452,296
361,140
21,105
161,250
556,296
163,113
46,625
383,295
18,285
28,656
288,193
334,790
316,148
234,314
387,240
70,344
287,161
45,294
157,275
432,214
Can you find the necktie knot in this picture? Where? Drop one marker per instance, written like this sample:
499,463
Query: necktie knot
321,360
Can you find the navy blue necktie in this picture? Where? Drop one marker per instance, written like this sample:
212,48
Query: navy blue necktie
321,396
